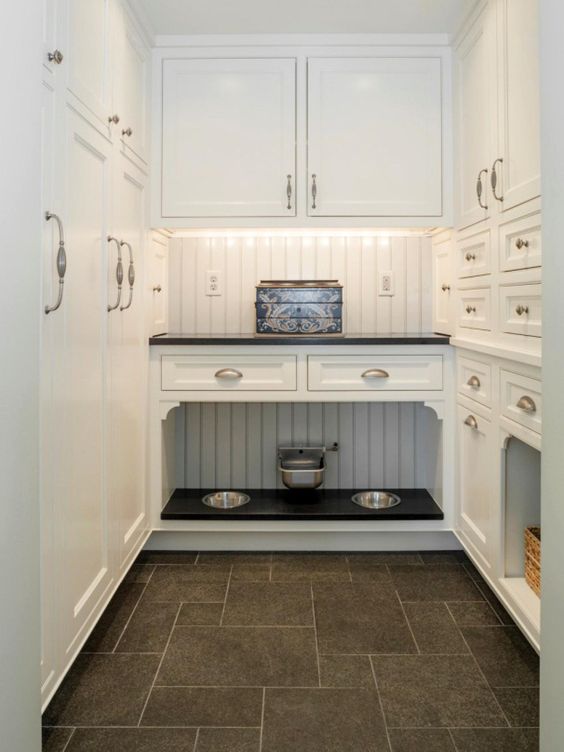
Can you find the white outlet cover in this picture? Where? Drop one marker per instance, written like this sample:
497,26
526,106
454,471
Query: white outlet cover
386,284
214,283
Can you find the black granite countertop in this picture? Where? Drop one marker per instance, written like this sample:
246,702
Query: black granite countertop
347,339
281,504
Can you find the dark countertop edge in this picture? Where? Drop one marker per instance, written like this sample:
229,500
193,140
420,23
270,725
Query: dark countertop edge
296,341
369,517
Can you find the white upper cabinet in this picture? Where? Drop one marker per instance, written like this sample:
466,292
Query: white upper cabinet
519,105
87,54
229,130
374,137
475,118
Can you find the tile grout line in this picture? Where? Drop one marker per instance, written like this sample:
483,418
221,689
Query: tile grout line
69,740
315,633
226,594
452,739
159,666
380,703
133,612
195,747
262,718
407,619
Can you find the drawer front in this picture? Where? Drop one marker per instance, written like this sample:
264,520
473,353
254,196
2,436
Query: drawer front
221,373
475,380
473,254
371,373
520,244
521,399
521,309
475,309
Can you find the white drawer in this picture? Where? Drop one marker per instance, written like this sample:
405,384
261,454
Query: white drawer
473,255
371,373
521,399
475,380
235,373
475,309
521,309
520,244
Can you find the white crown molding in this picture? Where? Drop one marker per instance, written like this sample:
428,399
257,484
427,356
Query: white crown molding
301,40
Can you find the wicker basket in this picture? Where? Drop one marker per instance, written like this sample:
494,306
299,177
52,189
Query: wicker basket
533,558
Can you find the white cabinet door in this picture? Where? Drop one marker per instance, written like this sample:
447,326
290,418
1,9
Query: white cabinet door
478,492
374,137
443,286
519,105
130,72
157,287
229,132
85,556
87,54
475,121
127,360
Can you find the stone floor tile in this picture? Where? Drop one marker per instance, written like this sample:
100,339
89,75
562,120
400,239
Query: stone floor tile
421,740
55,738
310,567
496,740
385,557
132,740
434,582
504,655
520,705
434,628
166,557
477,614
107,632
228,740
140,573
346,671
200,614
149,628
268,604
203,706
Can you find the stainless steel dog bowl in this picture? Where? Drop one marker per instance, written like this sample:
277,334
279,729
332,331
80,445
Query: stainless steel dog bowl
301,467
376,499
226,499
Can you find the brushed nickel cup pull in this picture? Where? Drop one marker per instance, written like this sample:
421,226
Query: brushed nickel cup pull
493,179
471,422
127,132
474,382
113,119
520,243
470,256
375,373
130,275
119,273
480,188
228,373
289,191
520,310
314,191
470,309
445,288
61,263
527,405
56,57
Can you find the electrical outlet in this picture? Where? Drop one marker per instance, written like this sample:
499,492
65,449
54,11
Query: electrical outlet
386,283
214,283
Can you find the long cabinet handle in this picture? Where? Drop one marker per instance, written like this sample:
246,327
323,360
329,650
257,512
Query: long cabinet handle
119,272
493,179
480,188
375,373
314,191
228,373
471,422
61,262
289,191
130,274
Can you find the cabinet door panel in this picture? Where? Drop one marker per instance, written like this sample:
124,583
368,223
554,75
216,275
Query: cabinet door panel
85,552
374,137
519,100
477,487
158,285
228,138
443,287
475,118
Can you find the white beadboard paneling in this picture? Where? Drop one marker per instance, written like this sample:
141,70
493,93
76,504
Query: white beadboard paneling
233,445
355,261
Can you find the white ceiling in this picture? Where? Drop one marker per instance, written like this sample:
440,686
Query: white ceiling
304,16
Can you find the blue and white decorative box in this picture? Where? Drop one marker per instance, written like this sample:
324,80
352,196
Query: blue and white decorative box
299,307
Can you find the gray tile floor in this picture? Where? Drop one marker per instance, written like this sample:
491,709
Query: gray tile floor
382,652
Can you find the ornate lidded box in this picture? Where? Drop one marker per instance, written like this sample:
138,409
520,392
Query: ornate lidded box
300,307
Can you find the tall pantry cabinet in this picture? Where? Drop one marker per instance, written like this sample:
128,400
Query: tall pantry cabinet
93,321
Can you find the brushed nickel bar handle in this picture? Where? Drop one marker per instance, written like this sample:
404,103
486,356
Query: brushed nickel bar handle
228,373
61,262
375,373
130,274
527,404
289,191
493,179
471,422
314,191
119,272
480,188
474,382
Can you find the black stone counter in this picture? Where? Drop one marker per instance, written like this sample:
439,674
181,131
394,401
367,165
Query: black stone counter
347,339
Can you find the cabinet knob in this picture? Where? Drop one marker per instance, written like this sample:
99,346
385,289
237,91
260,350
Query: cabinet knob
474,382
520,243
470,309
158,288
470,256
471,422
56,57
113,119
527,404
127,132
445,288
520,310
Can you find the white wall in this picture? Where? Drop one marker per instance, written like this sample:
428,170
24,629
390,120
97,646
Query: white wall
552,509
20,225
353,260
